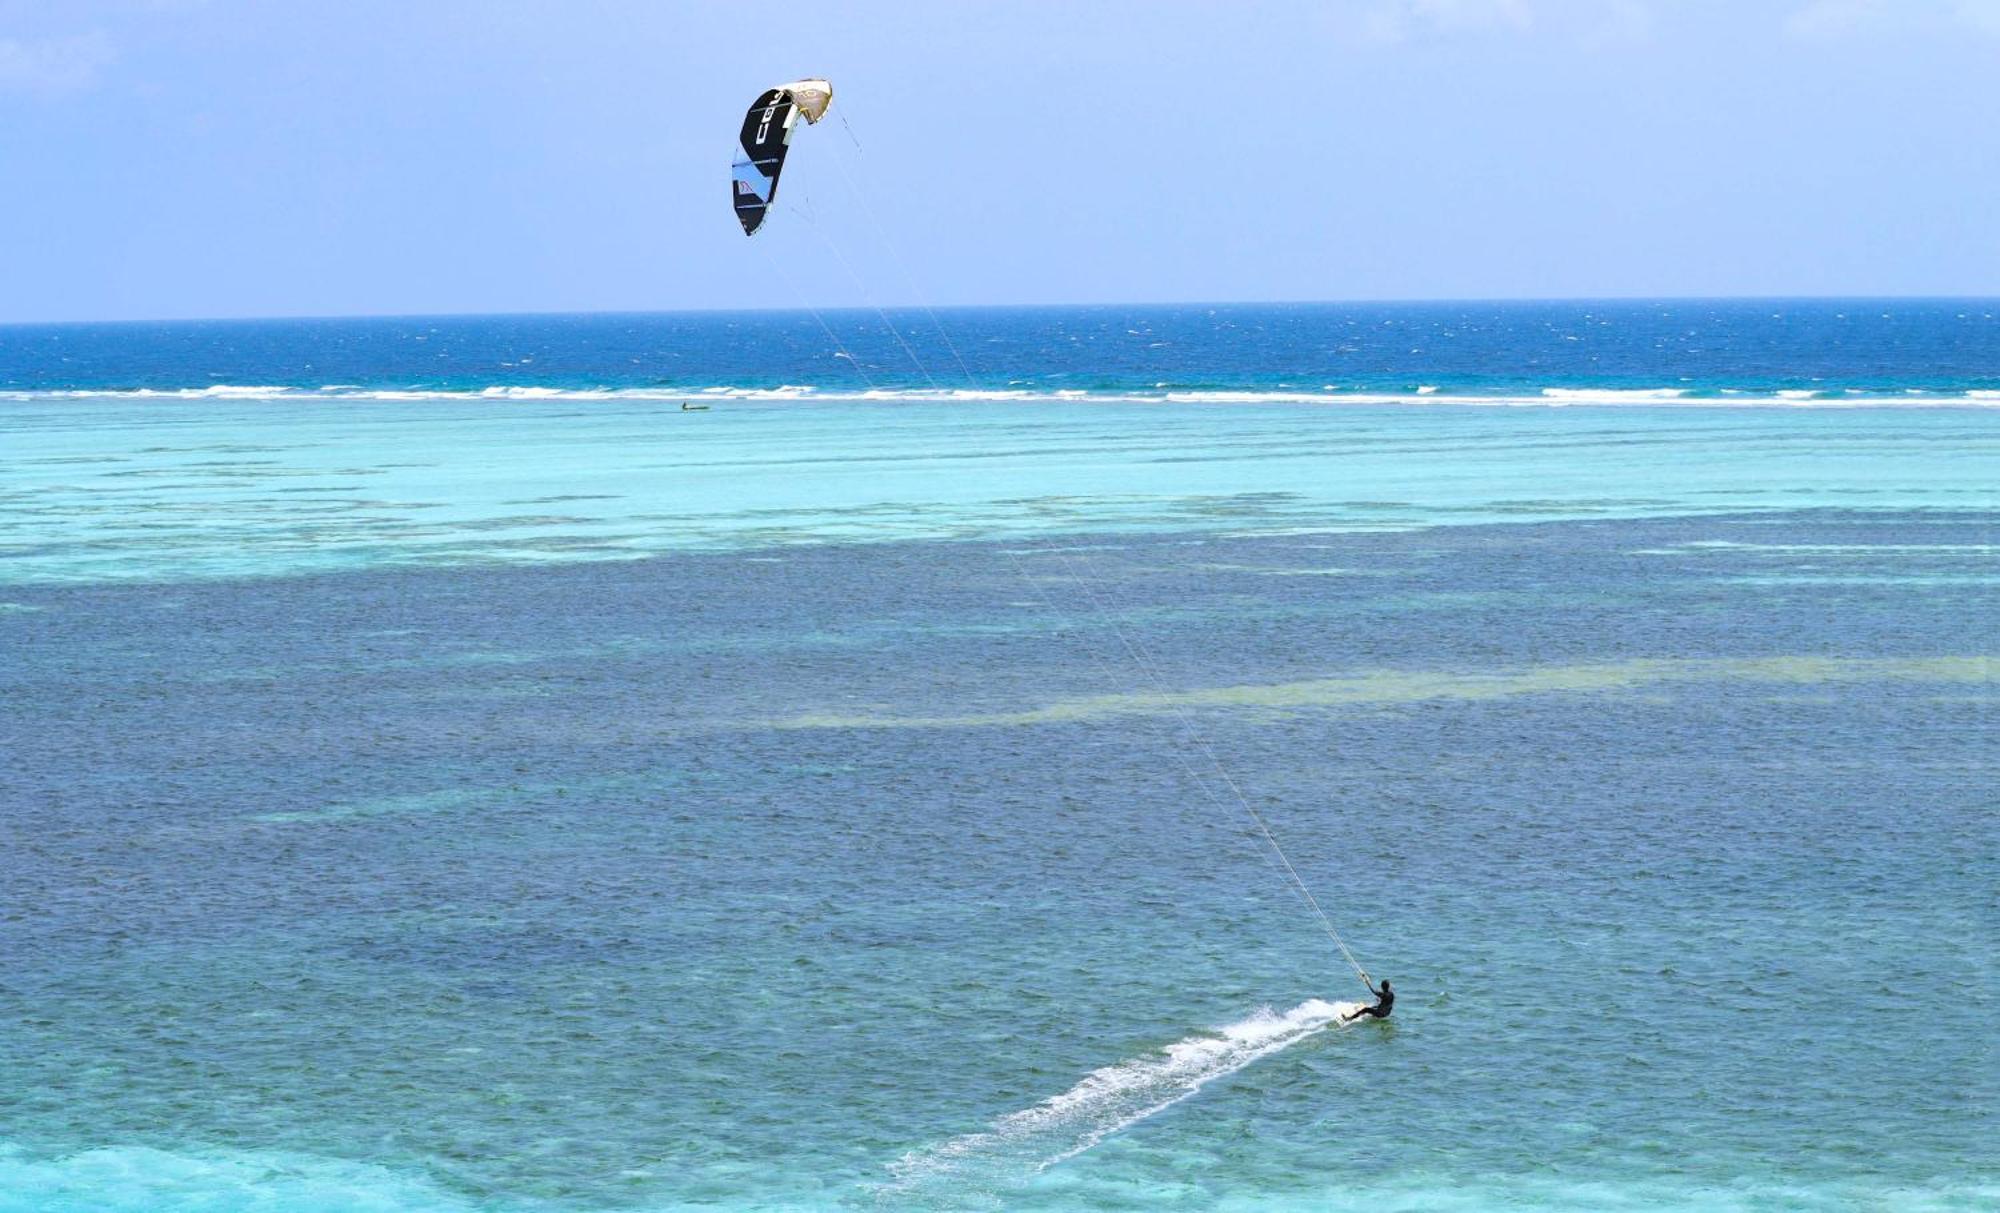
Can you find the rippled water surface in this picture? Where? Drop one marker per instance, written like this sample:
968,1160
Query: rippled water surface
786,879
105,487
508,792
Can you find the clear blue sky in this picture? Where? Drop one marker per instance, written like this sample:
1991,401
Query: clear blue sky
176,158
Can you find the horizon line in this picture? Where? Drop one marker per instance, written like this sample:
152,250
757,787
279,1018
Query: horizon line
1470,300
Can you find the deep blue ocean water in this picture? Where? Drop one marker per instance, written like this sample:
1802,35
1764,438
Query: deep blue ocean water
487,786
1837,349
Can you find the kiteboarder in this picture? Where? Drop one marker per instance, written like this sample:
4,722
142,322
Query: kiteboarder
1385,998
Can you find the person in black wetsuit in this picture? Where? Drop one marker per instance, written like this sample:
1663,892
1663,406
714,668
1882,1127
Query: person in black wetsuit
1385,999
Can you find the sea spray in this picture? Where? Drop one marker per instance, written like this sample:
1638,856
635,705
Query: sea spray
1108,1100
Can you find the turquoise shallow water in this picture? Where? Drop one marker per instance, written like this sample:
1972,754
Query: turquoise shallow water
551,804
116,487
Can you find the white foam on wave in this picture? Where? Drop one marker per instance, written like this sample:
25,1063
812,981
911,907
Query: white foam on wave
784,391
1598,395
1109,1100
216,391
1423,395
1245,397
943,393
544,393
235,391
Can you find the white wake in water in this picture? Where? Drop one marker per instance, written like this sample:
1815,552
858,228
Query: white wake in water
1109,1100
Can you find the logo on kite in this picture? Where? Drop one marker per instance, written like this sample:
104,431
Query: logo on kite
779,107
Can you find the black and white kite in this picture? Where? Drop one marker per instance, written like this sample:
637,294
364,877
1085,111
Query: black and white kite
767,133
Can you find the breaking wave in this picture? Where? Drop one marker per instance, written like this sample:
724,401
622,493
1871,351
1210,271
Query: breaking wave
1591,395
1424,395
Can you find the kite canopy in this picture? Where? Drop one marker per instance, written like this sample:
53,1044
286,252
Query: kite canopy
767,134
